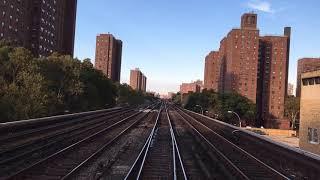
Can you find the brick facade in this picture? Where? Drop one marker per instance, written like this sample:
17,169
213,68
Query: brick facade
254,66
273,80
242,62
186,88
43,27
138,81
212,71
108,56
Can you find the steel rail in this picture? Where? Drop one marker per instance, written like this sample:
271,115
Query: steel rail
136,169
64,125
175,149
57,117
238,172
308,156
267,167
60,138
45,128
99,151
21,172
292,162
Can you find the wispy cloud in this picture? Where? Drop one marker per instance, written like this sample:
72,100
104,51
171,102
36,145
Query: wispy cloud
264,6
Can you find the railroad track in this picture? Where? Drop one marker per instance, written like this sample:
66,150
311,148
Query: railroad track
291,162
177,144
44,133
179,171
16,158
115,162
67,161
160,156
14,138
199,160
240,163
13,131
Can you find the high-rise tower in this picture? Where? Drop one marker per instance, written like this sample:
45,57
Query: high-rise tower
108,56
253,66
43,27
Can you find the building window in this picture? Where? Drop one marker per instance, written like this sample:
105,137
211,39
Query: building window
311,81
317,80
313,137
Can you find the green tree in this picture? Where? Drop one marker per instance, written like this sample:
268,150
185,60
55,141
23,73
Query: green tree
62,78
99,91
219,104
34,87
239,104
128,96
176,98
22,91
124,93
150,97
292,107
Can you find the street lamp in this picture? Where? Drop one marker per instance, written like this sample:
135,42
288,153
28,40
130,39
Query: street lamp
206,112
200,107
232,112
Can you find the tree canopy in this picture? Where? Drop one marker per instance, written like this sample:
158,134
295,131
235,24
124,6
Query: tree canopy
217,105
35,87
292,108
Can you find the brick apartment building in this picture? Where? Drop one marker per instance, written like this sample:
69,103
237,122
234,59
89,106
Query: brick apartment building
42,26
144,83
186,88
306,65
212,71
254,66
273,79
310,112
199,83
108,56
138,81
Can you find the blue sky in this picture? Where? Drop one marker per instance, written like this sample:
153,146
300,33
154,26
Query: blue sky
169,39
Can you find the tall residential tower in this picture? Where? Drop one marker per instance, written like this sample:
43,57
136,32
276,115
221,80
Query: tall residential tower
212,71
138,81
253,66
108,56
273,79
42,26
